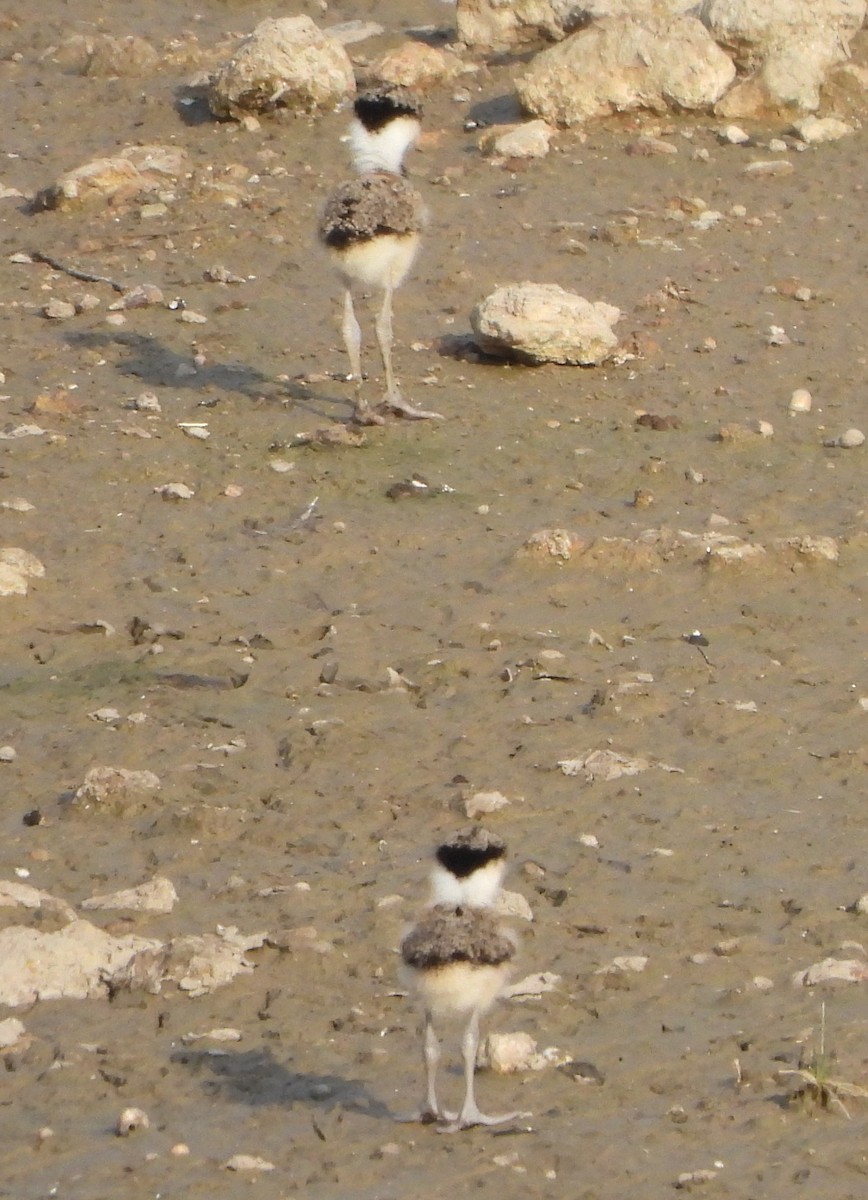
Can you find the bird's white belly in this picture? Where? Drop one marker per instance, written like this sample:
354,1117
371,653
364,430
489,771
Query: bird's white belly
457,988
382,261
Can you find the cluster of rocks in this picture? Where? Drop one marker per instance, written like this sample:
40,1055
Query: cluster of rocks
739,58
653,548
81,961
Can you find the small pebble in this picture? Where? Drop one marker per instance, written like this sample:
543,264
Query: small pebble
247,1162
147,402
8,754
800,401
199,432
851,438
130,1120
59,310
180,1150
175,491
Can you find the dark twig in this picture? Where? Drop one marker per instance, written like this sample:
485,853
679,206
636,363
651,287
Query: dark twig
86,276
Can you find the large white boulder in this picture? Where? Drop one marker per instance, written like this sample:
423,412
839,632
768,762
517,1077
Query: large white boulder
541,322
787,48
286,62
500,23
624,63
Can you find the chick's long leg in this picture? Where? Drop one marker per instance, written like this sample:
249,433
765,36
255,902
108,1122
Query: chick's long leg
352,333
430,1109
470,1113
393,399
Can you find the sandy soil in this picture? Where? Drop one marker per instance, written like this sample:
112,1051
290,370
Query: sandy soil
738,869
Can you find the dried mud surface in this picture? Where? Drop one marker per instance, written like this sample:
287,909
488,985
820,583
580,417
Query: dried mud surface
331,776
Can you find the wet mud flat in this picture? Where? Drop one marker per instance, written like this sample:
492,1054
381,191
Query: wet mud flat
321,687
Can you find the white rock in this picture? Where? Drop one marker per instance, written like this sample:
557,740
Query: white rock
222,1034
20,431
529,140
624,964
734,134
8,754
175,491
506,1053
23,561
603,765
496,23
147,402
108,716
417,65
504,23
24,895
787,46
104,785
513,904
59,310
532,985
158,895
134,169
480,804
130,1120
822,129
769,166
76,962
800,401
861,905
752,27
847,970
540,322
851,438
287,62
625,63
201,963
11,1031
247,1162
12,582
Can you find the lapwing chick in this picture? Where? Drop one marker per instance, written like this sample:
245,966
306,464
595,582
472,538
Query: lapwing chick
456,960
372,227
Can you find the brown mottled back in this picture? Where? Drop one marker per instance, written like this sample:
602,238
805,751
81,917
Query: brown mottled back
369,206
449,935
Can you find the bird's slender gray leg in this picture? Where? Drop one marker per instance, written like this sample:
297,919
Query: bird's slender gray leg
430,1110
384,340
353,341
393,398
470,1114
431,1056
352,337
